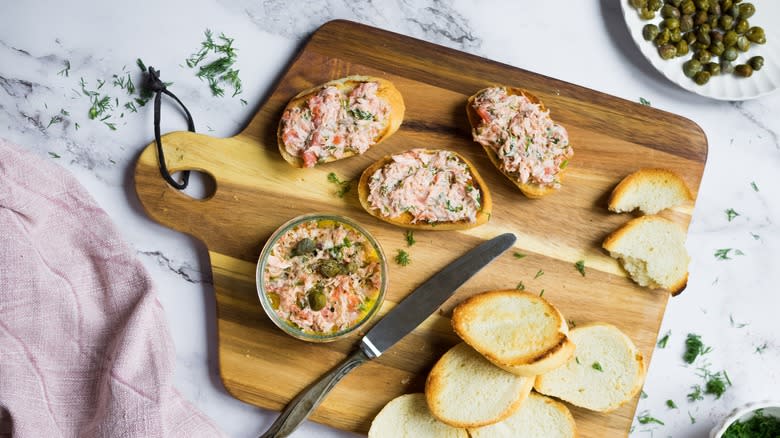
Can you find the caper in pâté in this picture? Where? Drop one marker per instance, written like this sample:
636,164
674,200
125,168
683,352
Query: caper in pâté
682,48
303,247
700,18
636,4
691,67
717,48
650,31
702,77
756,34
742,26
646,13
743,70
743,44
351,267
756,62
702,5
713,68
655,4
671,23
686,23
687,7
729,54
316,298
703,56
746,10
663,38
667,51
669,11
730,38
726,67
726,22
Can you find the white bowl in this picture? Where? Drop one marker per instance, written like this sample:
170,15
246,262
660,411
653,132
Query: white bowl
769,408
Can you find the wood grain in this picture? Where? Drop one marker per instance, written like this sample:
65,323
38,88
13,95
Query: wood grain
256,191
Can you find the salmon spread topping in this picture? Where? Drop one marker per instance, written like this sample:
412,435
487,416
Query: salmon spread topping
333,124
322,276
531,147
432,186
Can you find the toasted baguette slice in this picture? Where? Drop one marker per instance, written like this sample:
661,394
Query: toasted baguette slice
539,417
405,219
387,92
652,250
465,390
649,190
530,190
606,371
408,416
517,331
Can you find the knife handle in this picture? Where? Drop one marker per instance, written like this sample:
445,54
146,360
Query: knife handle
304,403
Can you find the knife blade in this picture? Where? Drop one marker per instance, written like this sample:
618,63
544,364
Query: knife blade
404,318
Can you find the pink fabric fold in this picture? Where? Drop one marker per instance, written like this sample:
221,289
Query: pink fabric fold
84,345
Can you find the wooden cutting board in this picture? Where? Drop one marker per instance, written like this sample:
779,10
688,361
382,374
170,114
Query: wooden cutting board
256,191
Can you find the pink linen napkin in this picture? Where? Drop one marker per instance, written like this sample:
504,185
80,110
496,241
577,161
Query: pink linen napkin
84,346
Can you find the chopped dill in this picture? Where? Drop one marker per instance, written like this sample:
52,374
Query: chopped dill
402,258
410,238
580,265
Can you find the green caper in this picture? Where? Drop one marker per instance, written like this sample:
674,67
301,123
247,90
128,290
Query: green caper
351,267
726,67
650,31
675,3
712,21
669,11
702,77
725,5
756,62
726,22
700,18
682,48
742,26
655,5
705,28
316,298
713,68
730,38
676,36
663,38
716,36
274,299
702,5
671,23
729,54
743,44
743,70
733,11
647,13
746,10
714,8
691,67
686,23
667,51
636,4
689,37
303,247
329,268
717,48
704,38
703,56
756,34
688,7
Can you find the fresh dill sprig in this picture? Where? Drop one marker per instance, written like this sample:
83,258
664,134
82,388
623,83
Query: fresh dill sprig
344,186
219,71
645,418
695,394
694,348
402,258
723,253
410,238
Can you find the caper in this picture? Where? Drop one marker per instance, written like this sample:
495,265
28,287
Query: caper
663,38
669,11
743,70
647,14
682,48
703,56
725,5
726,67
650,31
667,51
274,299
689,37
329,268
729,54
303,247
714,8
691,67
316,298
713,68
676,36
704,38
730,38
756,62
742,26
671,23
702,5
636,4
705,28
716,36
687,7
686,23
746,10
351,267
700,18
702,77
733,12
743,44
726,22
675,3
717,48
655,4
756,34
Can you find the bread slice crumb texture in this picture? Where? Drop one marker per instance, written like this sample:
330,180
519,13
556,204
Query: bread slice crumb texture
408,416
539,417
465,390
650,191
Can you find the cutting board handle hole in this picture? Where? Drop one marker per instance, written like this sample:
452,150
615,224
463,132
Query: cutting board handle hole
202,185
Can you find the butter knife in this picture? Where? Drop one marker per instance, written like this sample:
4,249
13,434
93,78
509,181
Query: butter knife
407,315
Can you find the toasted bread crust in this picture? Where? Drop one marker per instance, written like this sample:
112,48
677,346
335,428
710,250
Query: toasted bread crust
387,92
405,220
611,241
533,191
671,180
555,354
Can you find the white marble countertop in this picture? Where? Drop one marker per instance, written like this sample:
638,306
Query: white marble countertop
732,304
